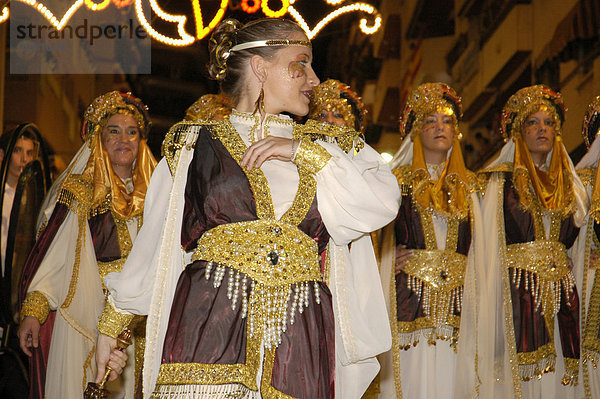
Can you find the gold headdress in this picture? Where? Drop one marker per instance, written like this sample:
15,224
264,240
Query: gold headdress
209,107
425,100
527,101
109,104
449,194
553,188
335,96
591,128
99,173
591,122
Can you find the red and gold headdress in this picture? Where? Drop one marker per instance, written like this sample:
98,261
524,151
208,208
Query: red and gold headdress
553,188
425,100
591,122
449,194
335,96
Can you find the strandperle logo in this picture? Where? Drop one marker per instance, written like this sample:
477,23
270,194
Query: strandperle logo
111,41
86,31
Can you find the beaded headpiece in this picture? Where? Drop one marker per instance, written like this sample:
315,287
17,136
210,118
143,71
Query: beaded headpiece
425,100
591,122
109,104
528,101
209,107
333,95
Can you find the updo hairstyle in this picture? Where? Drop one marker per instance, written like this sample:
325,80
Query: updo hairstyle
226,66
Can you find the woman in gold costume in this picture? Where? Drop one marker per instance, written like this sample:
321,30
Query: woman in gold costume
89,220
249,285
586,255
429,251
533,208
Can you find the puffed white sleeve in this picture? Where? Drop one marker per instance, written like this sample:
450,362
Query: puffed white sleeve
356,193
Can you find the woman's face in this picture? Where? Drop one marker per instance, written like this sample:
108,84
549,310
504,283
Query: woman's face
539,131
333,117
289,79
437,132
121,139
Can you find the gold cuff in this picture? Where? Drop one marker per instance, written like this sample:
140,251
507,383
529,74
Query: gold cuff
311,156
35,304
112,322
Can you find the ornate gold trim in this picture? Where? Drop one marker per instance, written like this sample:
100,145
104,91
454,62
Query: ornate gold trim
36,305
178,137
112,322
311,156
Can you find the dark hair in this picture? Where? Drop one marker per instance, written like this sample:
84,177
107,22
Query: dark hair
227,66
5,138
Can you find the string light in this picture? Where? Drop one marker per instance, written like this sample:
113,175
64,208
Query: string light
285,4
201,30
250,9
97,6
363,24
122,3
42,9
184,39
4,15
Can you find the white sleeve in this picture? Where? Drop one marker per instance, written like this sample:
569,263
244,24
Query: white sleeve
356,194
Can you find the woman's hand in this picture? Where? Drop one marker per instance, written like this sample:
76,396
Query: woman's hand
267,149
402,257
107,354
29,334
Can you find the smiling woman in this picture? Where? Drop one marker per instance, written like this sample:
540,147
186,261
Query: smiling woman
249,230
88,221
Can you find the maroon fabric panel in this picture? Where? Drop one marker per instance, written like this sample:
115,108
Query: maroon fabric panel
40,248
39,360
217,191
202,326
409,232
529,324
104,235
568,324
305,360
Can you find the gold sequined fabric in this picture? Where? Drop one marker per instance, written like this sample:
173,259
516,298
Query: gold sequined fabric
337,97
311,156
112,322
35,305
346,138
209,107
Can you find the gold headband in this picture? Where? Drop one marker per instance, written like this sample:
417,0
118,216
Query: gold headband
267,43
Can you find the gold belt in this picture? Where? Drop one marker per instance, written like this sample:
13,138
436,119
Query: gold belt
547,259
437,277
440,269
275,260
542,267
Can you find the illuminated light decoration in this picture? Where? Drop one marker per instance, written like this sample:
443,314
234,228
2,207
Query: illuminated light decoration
184,39
201,30
4,15
250,9
42,9
285,5
97,6
362,7
122,3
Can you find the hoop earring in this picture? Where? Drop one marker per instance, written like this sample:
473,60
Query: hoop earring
260,101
